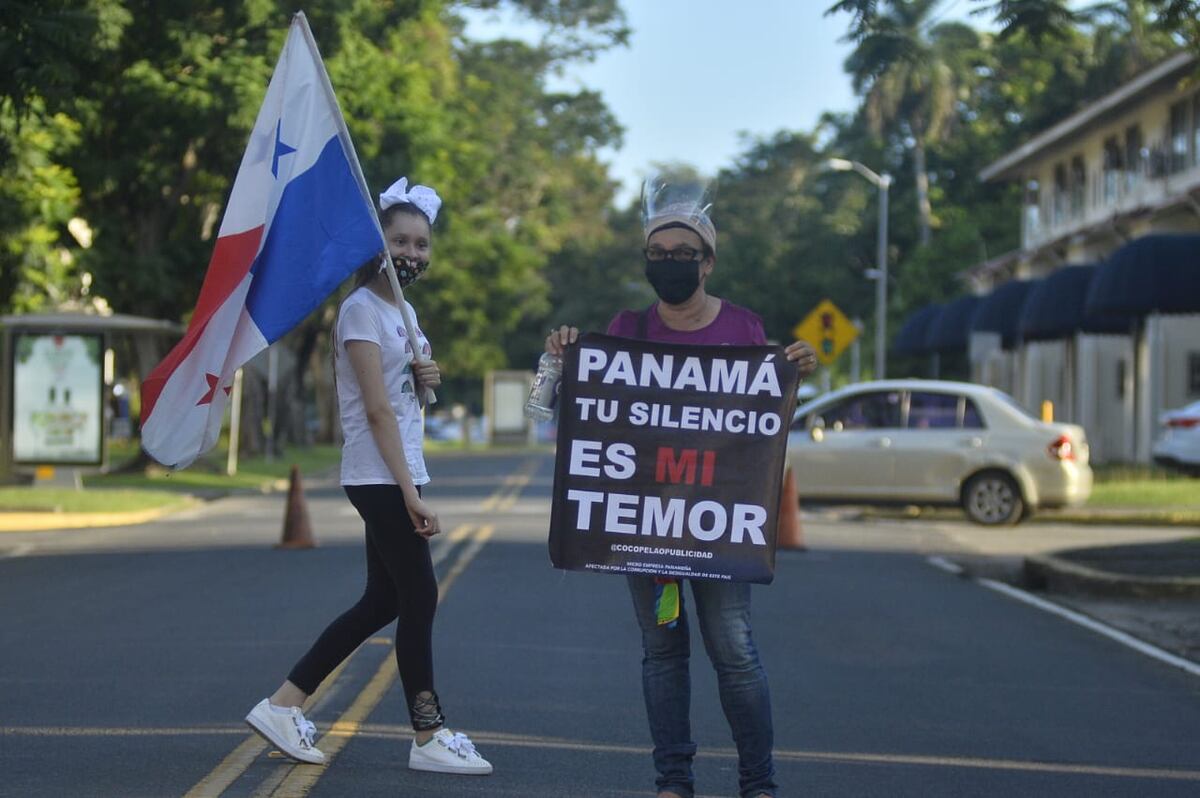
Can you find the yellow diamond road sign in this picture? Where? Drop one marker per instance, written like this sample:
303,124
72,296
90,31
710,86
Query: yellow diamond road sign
828,330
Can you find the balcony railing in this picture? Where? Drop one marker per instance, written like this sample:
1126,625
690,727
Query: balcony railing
1155,178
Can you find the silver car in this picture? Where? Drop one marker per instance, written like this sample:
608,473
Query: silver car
937,442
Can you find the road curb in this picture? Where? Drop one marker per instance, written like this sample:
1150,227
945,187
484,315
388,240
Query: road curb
1046,571
46,521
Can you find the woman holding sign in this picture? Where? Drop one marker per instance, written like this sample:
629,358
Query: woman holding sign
383,468
680,254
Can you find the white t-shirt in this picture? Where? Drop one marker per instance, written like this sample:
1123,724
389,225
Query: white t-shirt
366,317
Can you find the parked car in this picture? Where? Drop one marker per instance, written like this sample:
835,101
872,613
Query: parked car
1179,444
937,442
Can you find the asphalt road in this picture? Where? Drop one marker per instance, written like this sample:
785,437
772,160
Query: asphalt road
129,656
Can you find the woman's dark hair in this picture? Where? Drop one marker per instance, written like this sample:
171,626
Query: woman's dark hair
370,268
366,272
704,247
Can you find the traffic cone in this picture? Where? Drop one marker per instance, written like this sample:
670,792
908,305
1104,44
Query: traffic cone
297,529
791,536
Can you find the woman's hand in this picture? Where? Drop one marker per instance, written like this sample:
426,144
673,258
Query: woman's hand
425,520
427,373
558,339
804,356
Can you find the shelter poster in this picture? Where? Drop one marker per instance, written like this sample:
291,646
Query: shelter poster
58,408
670,458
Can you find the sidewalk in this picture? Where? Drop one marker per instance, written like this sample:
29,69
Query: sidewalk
1143,579
1148,590
46,521
1168,569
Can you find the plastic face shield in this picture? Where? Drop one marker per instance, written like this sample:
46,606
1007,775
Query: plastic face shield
673,194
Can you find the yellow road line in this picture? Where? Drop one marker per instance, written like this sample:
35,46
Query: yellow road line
354,726
481,537
301,779
234,765
393,731
511,488
459,532
239,760
119,731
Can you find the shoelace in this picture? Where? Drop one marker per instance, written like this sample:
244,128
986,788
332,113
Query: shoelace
461,744
307,730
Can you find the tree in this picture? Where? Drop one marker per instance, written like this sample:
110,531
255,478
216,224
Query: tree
49,48
910,73
38,198
1038,19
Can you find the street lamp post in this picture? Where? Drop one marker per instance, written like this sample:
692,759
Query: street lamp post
881,182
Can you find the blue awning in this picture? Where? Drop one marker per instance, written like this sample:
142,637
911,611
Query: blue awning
1055,307
911,338
951,328
1152,274
999,311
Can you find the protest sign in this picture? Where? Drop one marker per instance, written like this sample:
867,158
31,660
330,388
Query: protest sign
670,458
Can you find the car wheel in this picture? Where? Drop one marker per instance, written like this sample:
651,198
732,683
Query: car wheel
993,499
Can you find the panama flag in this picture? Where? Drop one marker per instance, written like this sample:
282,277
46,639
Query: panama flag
298,222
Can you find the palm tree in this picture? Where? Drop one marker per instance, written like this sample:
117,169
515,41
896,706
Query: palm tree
911,72
1132,34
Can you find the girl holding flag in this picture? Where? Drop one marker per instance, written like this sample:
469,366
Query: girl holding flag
378,380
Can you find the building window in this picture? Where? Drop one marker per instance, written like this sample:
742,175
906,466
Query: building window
1136,156
1193,373
1033,212
1061,194
1179,136
1078,186
1113,164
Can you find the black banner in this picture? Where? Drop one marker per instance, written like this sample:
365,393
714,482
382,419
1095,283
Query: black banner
670,458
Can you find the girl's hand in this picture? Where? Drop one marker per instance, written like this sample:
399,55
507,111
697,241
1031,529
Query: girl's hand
425,520
427,373
558,339
804,356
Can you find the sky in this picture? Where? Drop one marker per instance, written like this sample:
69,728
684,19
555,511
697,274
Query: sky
732,68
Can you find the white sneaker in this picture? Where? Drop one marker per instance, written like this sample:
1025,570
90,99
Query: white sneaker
287,729
448,752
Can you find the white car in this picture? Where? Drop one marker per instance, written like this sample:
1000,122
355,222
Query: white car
1179,444
937,442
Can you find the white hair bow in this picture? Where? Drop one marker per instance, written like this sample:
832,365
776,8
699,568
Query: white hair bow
425,198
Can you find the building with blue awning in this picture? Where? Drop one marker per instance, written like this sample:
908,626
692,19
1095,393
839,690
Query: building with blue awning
1106,283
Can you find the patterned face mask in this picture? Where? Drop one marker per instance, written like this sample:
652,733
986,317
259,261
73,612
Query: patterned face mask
408,271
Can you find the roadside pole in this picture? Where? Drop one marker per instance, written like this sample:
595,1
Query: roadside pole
235,424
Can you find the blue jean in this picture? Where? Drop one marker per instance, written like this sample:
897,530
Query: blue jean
723,612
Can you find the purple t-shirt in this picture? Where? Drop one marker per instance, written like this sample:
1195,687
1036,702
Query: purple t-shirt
734,325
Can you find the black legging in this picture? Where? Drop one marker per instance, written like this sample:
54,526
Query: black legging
400,585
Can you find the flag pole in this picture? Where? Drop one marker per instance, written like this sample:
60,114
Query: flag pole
355,167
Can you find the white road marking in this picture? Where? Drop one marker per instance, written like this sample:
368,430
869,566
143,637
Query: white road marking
945,565
20,550
1080,619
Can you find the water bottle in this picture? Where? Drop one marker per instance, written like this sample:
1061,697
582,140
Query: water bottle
543,394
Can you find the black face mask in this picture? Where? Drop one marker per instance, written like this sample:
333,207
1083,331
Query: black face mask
673,282
407,271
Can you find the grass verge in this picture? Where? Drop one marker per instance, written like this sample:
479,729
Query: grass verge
208,473
1150,494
